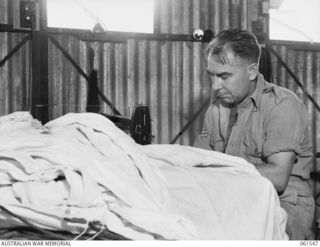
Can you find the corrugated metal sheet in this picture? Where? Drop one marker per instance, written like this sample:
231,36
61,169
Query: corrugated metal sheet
3,11
14,75
67,88
184,16
166,76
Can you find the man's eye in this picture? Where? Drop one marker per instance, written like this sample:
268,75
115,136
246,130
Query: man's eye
224,77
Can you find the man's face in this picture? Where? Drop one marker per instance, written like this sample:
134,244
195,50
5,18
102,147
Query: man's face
231,81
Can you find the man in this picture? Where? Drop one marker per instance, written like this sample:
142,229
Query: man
261,122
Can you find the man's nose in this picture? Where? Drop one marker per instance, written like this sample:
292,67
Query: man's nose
217,83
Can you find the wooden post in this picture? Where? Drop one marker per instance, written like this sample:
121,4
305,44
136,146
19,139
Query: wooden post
40,99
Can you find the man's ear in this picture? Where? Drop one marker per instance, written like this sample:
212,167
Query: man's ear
253,70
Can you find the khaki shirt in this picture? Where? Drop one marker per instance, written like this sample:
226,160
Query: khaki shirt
273,119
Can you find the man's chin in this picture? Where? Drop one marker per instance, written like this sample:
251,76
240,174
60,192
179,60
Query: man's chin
226,100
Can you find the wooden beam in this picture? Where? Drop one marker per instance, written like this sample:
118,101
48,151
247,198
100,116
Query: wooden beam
109,36
118,37
10,29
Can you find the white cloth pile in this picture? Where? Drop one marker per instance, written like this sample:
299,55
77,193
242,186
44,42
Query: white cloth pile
81,168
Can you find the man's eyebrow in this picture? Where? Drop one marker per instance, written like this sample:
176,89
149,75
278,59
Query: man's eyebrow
219,74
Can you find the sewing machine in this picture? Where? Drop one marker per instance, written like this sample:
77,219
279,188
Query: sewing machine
139,126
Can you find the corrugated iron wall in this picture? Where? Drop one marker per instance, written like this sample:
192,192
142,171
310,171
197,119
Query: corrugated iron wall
183,16
167,76
67,88
4,11
14,74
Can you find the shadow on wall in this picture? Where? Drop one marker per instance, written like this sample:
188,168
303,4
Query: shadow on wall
93,102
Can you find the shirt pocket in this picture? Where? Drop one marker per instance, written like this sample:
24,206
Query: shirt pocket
253,143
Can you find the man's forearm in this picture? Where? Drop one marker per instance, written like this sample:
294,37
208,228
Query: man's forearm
277,168
274,175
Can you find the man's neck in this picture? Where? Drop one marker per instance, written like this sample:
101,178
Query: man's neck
247,100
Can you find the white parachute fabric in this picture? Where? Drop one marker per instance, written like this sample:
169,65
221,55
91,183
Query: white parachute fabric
81,168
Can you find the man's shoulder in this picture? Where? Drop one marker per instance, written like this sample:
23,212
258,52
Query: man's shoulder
277,100
284,93
273,95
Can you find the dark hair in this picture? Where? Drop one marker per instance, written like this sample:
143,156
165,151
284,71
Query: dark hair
241,42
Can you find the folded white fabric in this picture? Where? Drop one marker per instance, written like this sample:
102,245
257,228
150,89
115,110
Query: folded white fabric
81,168
185,156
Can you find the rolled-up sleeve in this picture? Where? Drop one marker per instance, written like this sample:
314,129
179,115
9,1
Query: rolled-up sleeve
285,127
